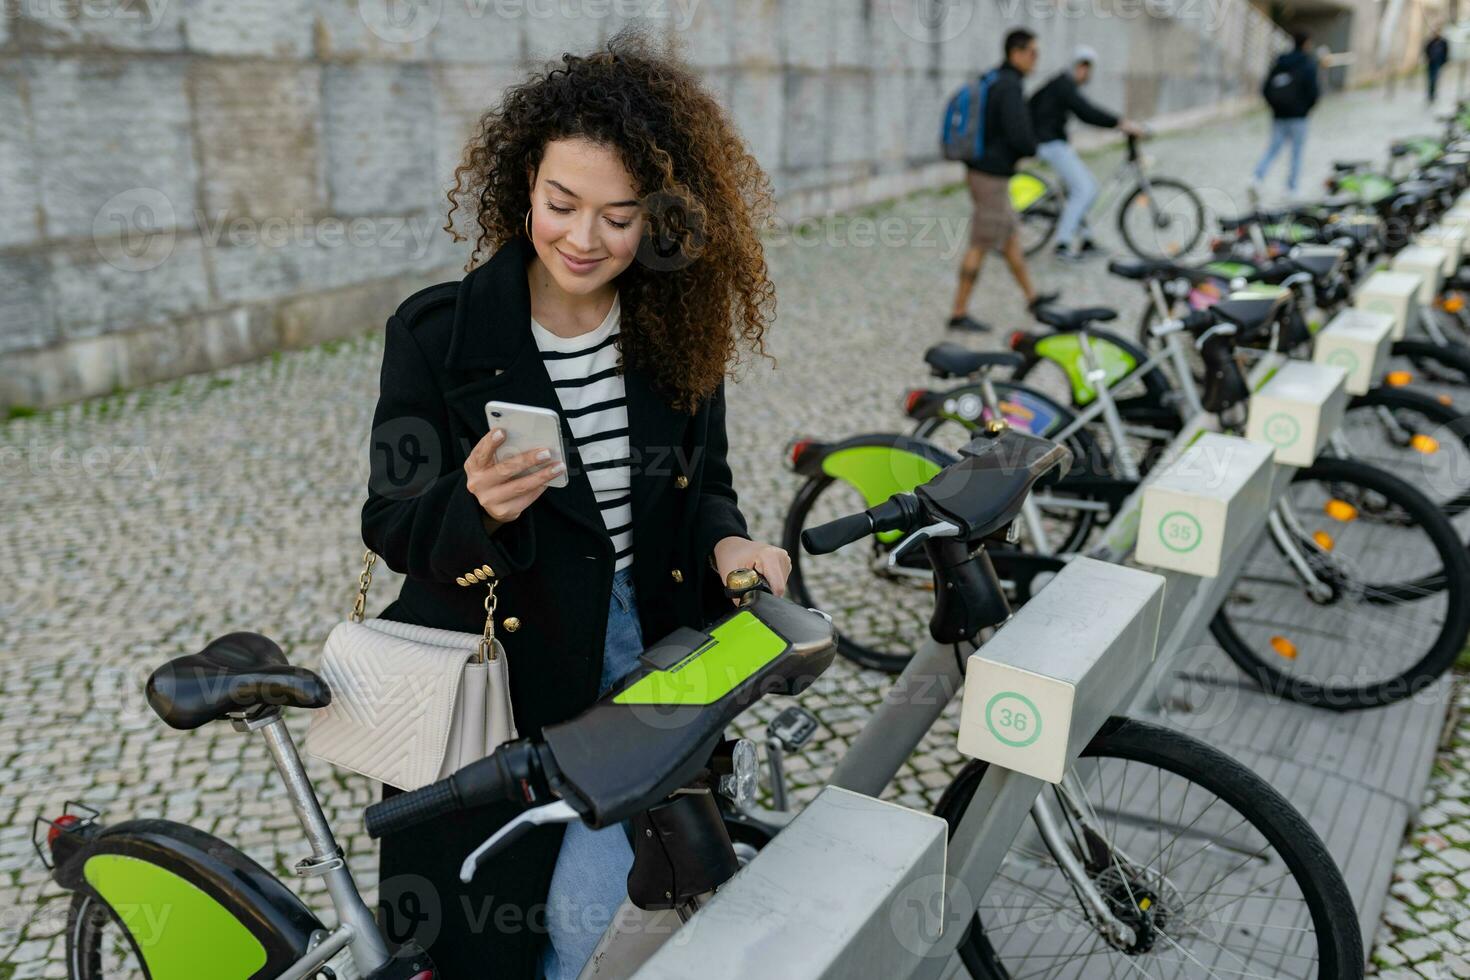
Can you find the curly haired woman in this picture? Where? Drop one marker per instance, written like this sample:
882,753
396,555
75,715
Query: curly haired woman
616,276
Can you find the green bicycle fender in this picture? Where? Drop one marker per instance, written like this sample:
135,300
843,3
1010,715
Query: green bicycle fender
1065,350
1370,188
1025,190
1293,232
1229,270
180,931
879,472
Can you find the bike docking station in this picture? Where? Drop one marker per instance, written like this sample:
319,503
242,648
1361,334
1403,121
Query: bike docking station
1393,293
1359,342
1428,263
1451,238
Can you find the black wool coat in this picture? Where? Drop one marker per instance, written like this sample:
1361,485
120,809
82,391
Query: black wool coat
450,349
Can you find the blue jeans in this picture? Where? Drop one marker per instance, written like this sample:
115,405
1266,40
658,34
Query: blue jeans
591,876
1081,186
1283,131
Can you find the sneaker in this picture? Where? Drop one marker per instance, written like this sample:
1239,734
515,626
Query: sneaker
1090,247
1065,253
1042,299
968,324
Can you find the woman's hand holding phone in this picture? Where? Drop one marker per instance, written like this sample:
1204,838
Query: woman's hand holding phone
495,483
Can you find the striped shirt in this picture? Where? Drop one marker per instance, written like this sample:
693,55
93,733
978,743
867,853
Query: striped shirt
584,372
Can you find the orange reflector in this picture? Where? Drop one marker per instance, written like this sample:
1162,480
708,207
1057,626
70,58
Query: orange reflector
1323,539
1454,304
1397,379
1341,510
1428,445
1446,400
1142,198
1283,647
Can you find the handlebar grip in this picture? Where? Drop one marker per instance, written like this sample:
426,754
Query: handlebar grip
827,538
412,808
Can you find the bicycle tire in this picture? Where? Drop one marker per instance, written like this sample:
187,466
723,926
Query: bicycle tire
1043,214
89,924
1450,492
1451,576
1332,913
1442,364
1138,197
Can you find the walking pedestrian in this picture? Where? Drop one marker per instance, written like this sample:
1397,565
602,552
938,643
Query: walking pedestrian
1291,90
1007,138
1436,56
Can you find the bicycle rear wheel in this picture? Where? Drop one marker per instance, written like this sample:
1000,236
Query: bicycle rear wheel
1038,207
1215,872
98,947
1394,608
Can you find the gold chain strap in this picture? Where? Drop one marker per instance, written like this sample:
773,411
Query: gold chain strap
484,650
364,579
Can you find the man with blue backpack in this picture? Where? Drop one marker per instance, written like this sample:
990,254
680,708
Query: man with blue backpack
988,128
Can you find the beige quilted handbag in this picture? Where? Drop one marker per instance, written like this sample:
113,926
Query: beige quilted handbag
410,704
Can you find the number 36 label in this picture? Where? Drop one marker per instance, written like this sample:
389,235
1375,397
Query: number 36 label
1013,719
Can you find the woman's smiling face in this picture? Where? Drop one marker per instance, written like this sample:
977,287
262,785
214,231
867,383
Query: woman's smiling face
586,220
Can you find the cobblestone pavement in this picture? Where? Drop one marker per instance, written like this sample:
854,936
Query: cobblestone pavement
137,527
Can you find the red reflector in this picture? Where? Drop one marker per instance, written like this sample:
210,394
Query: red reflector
1018,339
911,399
59,826
798,448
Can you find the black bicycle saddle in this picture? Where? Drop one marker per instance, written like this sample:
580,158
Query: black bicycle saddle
236,673
950,360
1065,319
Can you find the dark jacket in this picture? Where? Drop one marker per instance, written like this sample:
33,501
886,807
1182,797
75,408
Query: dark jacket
1302,66
1060,99
1008,135
1437,52
449,350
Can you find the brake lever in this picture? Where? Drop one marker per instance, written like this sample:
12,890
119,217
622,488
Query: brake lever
939,529
548,813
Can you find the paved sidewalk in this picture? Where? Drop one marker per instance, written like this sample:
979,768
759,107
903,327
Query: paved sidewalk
138,527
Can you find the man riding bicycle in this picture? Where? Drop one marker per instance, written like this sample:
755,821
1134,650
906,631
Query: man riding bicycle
1052,105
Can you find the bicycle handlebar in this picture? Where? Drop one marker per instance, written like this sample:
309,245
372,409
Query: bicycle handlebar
900,512
515,772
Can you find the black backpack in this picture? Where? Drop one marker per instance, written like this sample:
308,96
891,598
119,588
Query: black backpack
1286,90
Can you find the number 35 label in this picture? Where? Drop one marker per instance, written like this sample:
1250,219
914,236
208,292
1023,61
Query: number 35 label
1013,719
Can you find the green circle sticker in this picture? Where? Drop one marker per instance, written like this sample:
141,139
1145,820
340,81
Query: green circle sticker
1343,358
1013,719
1180,531
1282,430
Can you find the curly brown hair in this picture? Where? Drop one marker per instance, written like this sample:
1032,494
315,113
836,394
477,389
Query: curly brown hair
700,283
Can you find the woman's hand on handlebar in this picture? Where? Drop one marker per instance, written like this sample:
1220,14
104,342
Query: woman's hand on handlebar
502,486
772,562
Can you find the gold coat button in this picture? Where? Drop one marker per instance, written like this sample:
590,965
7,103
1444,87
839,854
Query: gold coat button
681,481
511,624
677,575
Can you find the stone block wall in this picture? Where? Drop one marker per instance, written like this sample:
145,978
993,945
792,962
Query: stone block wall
190,183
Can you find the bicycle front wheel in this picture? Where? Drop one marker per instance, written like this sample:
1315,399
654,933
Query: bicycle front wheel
1215,873
1164,220
1038,206
1388,611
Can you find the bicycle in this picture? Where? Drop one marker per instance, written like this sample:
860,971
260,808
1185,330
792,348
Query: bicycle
1158,217
228,917
1333,638
1148,830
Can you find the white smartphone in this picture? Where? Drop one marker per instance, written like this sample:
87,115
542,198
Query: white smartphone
528,427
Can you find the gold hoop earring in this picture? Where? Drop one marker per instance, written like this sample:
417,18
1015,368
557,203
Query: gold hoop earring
528,222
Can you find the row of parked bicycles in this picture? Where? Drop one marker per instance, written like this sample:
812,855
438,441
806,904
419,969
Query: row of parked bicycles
1156,854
